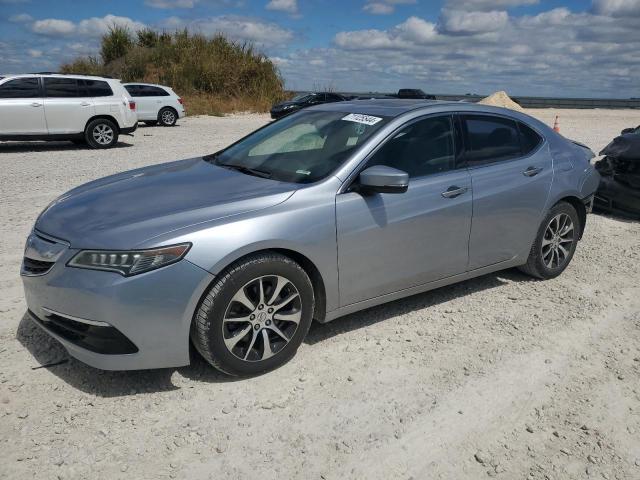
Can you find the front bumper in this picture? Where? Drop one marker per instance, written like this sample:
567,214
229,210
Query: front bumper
113,322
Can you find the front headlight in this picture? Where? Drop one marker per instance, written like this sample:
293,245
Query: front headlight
131,262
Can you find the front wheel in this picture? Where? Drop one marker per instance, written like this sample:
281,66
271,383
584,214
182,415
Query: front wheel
101,133
555,243
255,316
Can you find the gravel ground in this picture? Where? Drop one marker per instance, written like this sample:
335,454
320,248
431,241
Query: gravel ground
497,376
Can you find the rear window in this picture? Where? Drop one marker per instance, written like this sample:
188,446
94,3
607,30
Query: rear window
95,88
490,139
20,88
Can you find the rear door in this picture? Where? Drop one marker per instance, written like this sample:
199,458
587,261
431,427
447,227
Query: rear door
390,242
511,173
21,107
67,105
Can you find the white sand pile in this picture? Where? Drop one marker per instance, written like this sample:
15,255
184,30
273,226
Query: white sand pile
501,99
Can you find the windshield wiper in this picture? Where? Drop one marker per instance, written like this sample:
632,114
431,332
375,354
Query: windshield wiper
247,170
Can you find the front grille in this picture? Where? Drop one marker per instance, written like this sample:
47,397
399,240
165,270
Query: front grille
35,267
106,340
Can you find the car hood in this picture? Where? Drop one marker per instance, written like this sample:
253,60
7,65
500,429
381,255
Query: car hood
122,211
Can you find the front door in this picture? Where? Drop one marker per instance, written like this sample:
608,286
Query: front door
21,107
389,242
511,172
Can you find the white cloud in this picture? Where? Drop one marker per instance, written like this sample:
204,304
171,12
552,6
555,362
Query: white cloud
34,53
462,22
287,6
90,27
487,5
617,8
414,30
168,4
53,27
384,7
260,32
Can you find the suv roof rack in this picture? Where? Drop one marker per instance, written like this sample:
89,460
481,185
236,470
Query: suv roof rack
70,73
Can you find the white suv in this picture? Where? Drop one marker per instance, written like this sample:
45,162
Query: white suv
156,103
79,108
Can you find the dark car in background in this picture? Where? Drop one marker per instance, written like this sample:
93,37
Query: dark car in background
304,100
414,93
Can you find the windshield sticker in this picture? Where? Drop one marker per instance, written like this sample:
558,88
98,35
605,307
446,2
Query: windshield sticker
361,118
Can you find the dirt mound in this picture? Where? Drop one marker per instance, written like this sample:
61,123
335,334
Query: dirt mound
501,99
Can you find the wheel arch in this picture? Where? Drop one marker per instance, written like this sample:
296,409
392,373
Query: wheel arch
576,203
317,281
105,117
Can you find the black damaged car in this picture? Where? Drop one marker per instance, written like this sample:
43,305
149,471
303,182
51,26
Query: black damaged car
303,100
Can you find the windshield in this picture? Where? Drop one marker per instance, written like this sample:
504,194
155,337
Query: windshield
301,148
302,96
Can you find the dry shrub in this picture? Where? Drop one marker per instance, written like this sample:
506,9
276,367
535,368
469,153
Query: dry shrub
214,75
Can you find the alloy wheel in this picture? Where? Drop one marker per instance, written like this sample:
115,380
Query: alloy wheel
102,134
261,318
557,241
168,117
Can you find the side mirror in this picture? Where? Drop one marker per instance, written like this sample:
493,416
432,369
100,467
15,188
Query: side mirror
383,179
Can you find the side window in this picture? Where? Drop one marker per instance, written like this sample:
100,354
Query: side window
20,88
422,148
490,139
98,88
60,87
528,138
154,92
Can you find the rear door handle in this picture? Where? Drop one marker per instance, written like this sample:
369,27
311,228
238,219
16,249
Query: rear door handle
85,104
453,191
36,104
532,171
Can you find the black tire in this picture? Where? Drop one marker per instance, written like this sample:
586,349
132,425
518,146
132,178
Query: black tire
93,136
167,117
151,123
538,262
209,330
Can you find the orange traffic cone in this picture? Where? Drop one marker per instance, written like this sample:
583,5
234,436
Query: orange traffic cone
556,125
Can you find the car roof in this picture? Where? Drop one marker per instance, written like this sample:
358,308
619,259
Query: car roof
146,84
395,107
60,75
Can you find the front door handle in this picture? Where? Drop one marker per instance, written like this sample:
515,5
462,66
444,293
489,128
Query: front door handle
453,191
36,104
532,171
85,104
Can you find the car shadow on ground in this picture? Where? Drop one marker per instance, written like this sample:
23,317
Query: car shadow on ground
47,351
25,147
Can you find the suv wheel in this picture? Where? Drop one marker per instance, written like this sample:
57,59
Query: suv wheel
555,242
101,133
167,117
255,316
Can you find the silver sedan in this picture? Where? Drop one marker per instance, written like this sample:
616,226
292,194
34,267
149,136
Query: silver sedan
327,211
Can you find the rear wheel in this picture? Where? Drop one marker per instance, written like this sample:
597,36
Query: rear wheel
167,117
555,242
255,316
101,133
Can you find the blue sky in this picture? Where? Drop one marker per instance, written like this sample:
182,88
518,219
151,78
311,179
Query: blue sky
535,47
